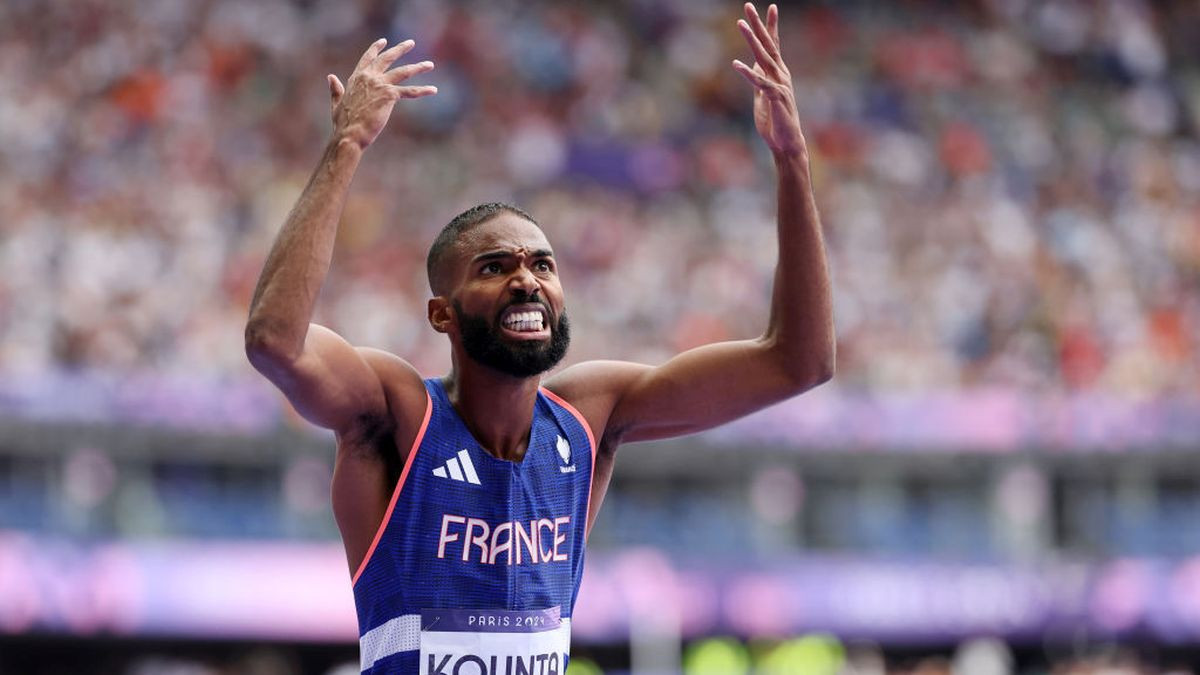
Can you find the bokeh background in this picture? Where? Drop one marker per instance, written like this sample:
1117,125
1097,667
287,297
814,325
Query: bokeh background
1002,478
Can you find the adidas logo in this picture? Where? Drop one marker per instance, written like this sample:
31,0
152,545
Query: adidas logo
458,468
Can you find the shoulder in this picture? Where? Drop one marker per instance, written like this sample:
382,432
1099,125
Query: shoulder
594,388
595,379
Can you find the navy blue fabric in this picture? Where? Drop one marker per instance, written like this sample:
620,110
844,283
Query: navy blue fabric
405,574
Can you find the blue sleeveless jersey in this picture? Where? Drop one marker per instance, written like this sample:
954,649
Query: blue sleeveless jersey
467,531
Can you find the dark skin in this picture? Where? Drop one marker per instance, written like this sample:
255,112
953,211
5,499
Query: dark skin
375,401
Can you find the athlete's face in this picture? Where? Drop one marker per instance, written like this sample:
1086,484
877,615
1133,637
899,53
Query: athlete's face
508,304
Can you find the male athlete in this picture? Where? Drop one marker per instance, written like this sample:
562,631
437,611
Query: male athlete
464,501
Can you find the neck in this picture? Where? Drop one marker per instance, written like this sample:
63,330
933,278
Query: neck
497,408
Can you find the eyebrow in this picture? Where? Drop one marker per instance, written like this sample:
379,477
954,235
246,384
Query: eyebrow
498,255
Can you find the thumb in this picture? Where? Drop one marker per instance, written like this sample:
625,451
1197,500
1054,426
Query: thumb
335,88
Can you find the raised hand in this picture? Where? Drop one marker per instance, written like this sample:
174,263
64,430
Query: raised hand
775,113
363,106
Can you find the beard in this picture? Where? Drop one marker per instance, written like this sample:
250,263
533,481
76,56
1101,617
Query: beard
483,344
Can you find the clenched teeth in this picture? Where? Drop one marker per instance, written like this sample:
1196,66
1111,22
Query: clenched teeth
524,321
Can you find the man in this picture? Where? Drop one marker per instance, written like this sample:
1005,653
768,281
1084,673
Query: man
464,501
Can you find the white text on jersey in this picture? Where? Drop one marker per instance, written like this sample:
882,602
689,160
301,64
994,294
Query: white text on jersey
539,543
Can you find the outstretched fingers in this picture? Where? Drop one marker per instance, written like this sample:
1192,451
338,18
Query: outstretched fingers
372,52
761,56
775,114
756,77
402,73
362,107
761,31
762,44
386,58
773,27
415,91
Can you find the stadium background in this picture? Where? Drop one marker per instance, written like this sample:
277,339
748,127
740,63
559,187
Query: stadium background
1002,478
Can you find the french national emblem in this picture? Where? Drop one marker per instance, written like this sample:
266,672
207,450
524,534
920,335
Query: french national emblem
564,451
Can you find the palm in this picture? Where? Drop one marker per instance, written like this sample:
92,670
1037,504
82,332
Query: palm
775,114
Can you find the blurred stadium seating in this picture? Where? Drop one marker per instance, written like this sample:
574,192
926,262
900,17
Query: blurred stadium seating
1011,193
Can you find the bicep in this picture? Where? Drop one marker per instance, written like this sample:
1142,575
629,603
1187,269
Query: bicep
700,389
330,383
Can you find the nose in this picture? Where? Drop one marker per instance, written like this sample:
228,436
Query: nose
523,283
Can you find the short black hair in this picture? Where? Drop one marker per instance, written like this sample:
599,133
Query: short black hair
462,223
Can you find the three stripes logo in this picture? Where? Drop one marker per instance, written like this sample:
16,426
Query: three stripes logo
458,468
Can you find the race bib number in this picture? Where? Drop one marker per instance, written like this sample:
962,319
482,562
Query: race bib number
494,642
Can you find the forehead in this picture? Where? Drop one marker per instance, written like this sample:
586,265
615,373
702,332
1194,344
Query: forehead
504,232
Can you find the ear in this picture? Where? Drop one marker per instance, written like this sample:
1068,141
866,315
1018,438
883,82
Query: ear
441,314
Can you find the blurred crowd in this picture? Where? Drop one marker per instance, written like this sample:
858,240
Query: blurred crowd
1010,189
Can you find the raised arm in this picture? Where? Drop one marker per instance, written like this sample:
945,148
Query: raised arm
327,380
716,383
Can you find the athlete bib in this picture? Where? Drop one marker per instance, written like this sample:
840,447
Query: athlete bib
494,642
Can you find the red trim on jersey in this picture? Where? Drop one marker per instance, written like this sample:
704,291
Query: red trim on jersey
591,441
387,517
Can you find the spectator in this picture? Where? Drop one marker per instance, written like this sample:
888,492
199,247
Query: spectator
1012,189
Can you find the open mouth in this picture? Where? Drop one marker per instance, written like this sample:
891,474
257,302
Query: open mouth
525,321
